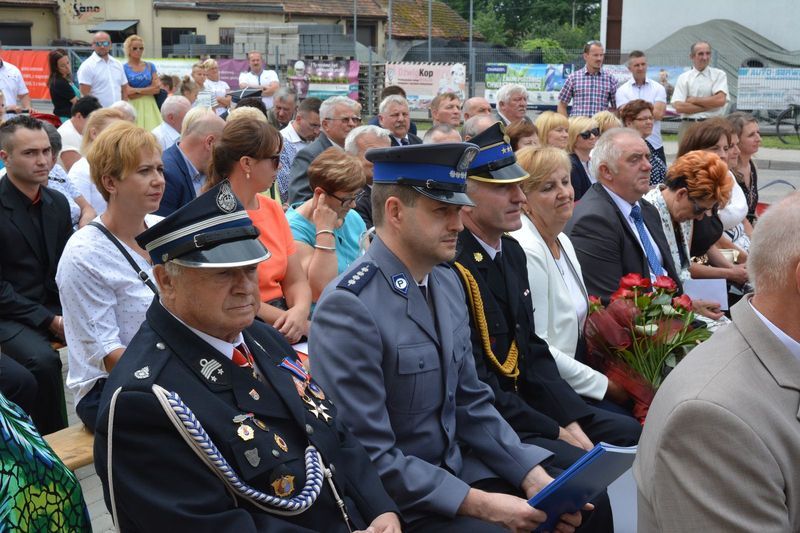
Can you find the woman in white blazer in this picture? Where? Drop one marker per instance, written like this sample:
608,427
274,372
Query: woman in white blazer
560,300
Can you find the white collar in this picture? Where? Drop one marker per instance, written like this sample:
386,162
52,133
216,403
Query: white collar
792,345
624,205
223,347
489,249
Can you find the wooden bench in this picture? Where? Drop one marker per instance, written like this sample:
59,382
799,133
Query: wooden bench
73,445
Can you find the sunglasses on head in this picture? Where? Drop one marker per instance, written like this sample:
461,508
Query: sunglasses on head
588,133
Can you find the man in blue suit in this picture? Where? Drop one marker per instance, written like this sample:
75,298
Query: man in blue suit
186,162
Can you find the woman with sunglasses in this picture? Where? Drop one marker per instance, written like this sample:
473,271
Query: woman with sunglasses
638,114
583,134
695,186
248,155
143,84
326,228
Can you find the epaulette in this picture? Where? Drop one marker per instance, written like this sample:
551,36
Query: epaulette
355,280
145,375
510,237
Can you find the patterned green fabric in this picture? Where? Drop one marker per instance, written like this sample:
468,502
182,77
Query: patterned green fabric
37,492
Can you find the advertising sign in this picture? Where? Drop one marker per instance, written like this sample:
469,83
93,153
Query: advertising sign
34,68
323,79
423,81
768,88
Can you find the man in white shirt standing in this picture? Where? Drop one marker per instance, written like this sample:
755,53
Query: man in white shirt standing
642,87
13,87
701,92
101,75
173,110
258,78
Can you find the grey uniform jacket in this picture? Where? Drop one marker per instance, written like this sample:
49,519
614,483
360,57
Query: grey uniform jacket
719,448
406,385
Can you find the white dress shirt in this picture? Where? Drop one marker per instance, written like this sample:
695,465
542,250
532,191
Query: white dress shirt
707,82
106,77
11,83
166,135
626,209
265,78
649,91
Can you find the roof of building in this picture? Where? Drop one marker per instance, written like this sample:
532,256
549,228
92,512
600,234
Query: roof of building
410,21
331,8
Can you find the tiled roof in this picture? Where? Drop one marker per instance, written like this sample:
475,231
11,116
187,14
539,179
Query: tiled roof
343,8
410,20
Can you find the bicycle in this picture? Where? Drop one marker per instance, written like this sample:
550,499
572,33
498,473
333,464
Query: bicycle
787,125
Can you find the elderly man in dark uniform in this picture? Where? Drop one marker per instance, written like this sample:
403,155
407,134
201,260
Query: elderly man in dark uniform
390,341
209,422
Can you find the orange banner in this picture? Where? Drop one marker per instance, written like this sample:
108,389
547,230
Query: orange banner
34,68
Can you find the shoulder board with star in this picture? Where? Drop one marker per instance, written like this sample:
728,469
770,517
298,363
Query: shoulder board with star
358,277
510,237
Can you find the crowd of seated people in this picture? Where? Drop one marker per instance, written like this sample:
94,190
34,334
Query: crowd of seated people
589,203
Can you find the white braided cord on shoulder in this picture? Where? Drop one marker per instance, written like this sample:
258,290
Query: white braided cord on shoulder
193,433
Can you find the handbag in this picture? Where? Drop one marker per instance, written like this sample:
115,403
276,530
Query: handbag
141,274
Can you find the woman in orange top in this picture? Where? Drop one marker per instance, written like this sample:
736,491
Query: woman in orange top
248,154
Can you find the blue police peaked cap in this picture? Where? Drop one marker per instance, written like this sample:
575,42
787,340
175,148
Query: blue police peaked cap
211,231
496,162
439,171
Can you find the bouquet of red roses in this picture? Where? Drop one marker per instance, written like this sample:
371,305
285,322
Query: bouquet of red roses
642,333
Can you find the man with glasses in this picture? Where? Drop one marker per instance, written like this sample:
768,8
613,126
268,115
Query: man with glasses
394,115
640,87
13,88
701,92
101,75
614,231
339,116
590,89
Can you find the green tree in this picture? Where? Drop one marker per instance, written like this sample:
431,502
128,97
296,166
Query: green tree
551,50
492,26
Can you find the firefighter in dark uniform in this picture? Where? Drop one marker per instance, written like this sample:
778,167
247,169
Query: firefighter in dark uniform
209,422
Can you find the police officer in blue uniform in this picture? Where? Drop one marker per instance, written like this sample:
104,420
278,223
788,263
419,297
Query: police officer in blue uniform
209,422
390,342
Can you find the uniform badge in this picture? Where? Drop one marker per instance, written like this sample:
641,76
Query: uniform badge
400,284
245,432
211,369
316,390
281,443
161,346
226,201
260,424
142,373
254,394
478,257
283,486
466,159
252,457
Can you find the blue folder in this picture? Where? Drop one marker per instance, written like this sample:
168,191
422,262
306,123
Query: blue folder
583,481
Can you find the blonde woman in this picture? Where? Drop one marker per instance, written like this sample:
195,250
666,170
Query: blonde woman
583,134
553,129
79,173
554,273
102,292
219,88
606,120
143,84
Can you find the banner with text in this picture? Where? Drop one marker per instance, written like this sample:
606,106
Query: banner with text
423,81
323,79
34,68
768,88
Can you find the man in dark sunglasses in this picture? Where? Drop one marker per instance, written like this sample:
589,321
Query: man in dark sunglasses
101,75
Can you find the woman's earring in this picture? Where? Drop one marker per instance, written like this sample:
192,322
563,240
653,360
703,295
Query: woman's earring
247,176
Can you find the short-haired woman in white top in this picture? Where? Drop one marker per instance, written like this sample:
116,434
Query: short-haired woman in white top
554,274
103,297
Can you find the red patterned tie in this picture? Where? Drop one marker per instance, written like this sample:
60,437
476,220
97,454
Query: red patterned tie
241,356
